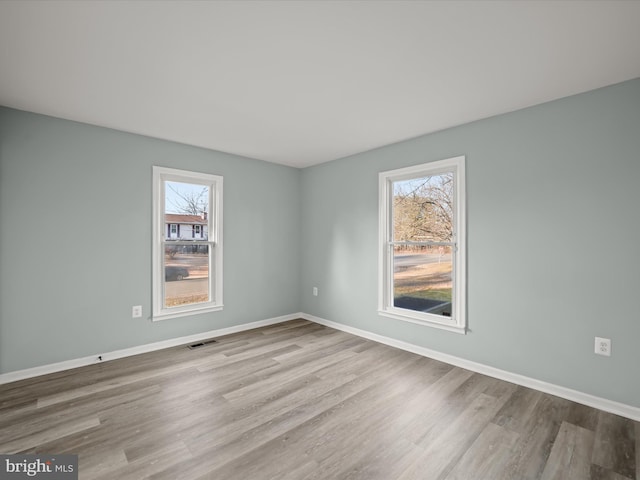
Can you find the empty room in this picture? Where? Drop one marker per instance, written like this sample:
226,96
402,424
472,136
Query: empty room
316,240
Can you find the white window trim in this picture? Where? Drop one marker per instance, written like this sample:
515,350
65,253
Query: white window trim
160,175
458,321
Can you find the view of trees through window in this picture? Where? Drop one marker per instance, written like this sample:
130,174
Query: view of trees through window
423,238
186,198
186,250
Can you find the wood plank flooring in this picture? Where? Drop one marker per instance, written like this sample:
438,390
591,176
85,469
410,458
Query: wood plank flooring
300,401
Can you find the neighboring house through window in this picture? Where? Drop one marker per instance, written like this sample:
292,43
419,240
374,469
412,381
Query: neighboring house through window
422,244
187,243
186,226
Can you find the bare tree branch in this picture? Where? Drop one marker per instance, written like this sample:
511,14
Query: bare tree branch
190,203
423,209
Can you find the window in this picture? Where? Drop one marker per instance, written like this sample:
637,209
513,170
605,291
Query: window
187,269
422,244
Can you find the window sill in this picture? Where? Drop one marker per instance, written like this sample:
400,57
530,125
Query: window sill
398,314
185,313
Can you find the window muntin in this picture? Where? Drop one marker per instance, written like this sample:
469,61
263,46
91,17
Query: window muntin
422,251
187,273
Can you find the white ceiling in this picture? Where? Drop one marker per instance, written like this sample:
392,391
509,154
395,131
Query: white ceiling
304,82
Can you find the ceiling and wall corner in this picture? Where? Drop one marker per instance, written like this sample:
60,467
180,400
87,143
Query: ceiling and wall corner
300,83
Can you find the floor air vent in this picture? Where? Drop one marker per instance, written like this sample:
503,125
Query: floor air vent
201,344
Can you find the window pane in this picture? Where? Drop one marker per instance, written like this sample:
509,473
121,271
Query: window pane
423,209
186,274
186,208
422,279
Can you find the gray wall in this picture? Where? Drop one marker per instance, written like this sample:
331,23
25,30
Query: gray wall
553,194
75,239
553,238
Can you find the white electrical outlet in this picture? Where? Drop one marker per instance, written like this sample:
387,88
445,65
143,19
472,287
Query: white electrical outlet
136,311
315,291
603,346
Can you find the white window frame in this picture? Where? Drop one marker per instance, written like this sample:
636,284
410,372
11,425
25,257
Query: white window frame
457,322
214,218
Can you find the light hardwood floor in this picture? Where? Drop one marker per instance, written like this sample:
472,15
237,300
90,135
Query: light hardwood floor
300,401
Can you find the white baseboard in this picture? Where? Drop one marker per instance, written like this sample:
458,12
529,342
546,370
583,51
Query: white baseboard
617,408
149,347
610,406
